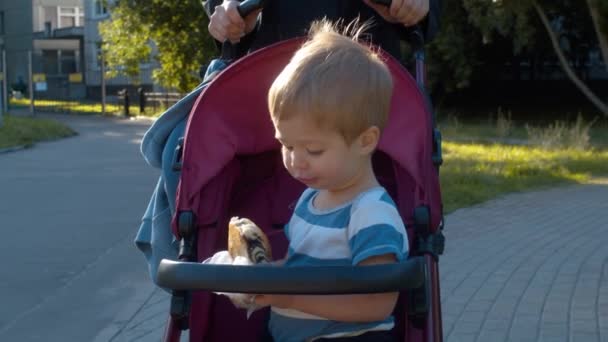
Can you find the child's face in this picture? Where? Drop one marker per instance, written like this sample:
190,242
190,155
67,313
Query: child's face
319,158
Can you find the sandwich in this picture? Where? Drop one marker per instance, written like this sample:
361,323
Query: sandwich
247,240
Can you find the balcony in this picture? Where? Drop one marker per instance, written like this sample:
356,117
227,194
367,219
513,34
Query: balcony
73,32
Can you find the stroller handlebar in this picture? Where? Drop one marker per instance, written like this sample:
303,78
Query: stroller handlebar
386,3
249,6
262,279
229,50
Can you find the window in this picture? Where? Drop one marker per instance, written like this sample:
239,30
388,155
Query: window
48,28
99,8
98,52
1,22
49,62
50,16
68,62
70,16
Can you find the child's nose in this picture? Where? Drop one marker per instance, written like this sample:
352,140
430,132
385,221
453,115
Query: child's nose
298,161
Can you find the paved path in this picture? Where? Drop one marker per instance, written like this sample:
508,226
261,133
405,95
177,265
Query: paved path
527,267
69,211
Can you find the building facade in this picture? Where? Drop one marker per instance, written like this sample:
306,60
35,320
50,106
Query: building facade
95,13
52,31
63,39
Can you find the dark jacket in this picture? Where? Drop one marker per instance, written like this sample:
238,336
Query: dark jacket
284,19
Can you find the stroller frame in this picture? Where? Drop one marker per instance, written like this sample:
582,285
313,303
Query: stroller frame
419,274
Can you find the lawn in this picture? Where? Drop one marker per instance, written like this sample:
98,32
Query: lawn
474,173
80,107
25,131
481,164
477,167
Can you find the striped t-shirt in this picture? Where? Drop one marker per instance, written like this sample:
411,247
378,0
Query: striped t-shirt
367,226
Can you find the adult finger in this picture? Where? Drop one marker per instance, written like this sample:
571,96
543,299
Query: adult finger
418,11
217,34
216,28
409,13
382,10
251,20
234,16
227,29
397,8
216,18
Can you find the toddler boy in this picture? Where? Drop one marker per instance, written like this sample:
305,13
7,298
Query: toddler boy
328,107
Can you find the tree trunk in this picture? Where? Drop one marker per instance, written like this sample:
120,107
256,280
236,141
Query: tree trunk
600,35
569,72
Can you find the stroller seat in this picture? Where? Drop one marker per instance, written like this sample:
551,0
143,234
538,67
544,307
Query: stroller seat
231,166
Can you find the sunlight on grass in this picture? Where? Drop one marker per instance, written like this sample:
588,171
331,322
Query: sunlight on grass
84,107
24,131
473,173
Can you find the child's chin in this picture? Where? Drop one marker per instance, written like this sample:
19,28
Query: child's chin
311,183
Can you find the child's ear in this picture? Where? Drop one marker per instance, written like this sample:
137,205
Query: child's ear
368,140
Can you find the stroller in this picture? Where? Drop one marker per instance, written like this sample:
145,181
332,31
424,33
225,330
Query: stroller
231,166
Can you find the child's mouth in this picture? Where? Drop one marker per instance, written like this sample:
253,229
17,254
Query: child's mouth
306,180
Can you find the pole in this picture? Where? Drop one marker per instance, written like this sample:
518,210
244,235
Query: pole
2,111
31,82
4,83
103,84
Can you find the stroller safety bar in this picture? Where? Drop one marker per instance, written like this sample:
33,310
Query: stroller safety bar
177,275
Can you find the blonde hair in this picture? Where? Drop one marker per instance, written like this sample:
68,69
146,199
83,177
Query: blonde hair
336,81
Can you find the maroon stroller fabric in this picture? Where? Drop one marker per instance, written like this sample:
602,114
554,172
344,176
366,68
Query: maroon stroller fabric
232,167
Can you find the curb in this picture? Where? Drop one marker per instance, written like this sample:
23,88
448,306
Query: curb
13,148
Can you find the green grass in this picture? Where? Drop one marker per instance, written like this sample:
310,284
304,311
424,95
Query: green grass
84,107
25,131
478,167
484,131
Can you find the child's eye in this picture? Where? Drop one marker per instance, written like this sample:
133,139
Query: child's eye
288,148
315,152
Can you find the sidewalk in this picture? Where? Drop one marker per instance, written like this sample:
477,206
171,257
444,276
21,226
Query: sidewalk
69,211
526,267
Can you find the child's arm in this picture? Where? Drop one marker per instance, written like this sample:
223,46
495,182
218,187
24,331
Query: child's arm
344,308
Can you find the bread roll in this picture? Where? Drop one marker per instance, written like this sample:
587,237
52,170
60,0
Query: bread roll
247,240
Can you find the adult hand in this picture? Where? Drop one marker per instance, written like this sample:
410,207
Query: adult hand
226,23
406,12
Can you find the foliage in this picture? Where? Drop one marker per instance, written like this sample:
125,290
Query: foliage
602,6
490,39
562,135
479,40
172,32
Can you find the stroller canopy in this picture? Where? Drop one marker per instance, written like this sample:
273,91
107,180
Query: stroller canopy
231,118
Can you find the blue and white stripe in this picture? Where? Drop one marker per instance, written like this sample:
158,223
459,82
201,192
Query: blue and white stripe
367,226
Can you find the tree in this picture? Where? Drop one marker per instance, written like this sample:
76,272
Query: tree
477,35
602,106
478,39
173,32
599,14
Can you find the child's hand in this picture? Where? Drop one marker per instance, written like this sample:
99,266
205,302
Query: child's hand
279,301
406,12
